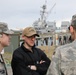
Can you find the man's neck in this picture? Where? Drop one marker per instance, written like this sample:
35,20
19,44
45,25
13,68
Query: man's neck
1,48
28,47
75,36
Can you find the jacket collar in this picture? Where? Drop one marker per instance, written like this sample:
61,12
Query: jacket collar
25,49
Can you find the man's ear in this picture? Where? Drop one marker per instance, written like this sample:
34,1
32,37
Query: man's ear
23,37
71,29
0,35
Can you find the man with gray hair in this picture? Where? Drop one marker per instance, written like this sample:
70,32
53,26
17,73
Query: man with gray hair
4,41
64,60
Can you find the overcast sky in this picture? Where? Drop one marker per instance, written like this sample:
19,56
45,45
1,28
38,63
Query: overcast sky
22,13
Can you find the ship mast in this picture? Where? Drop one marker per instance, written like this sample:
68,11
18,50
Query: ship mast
43,12
43,15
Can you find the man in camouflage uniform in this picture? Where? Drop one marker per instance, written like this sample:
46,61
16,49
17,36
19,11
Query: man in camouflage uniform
4,41
64,60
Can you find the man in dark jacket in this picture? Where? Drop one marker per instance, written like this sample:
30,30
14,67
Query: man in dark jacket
27,59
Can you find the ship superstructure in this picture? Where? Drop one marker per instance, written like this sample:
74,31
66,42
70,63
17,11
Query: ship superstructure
43,26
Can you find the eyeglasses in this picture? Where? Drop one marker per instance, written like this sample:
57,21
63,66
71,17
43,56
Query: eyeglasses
69,28
31,36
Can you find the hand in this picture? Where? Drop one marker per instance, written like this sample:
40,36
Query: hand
42,61
32,67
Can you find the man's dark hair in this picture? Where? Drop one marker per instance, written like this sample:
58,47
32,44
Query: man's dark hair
73,24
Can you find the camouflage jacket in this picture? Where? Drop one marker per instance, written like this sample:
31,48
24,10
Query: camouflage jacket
2,67
64,60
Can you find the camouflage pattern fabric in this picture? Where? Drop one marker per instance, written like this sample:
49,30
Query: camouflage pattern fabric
2,68
64,60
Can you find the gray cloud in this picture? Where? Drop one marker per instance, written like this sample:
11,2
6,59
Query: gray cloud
22,13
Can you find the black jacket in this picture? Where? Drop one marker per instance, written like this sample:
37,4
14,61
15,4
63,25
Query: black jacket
22,57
